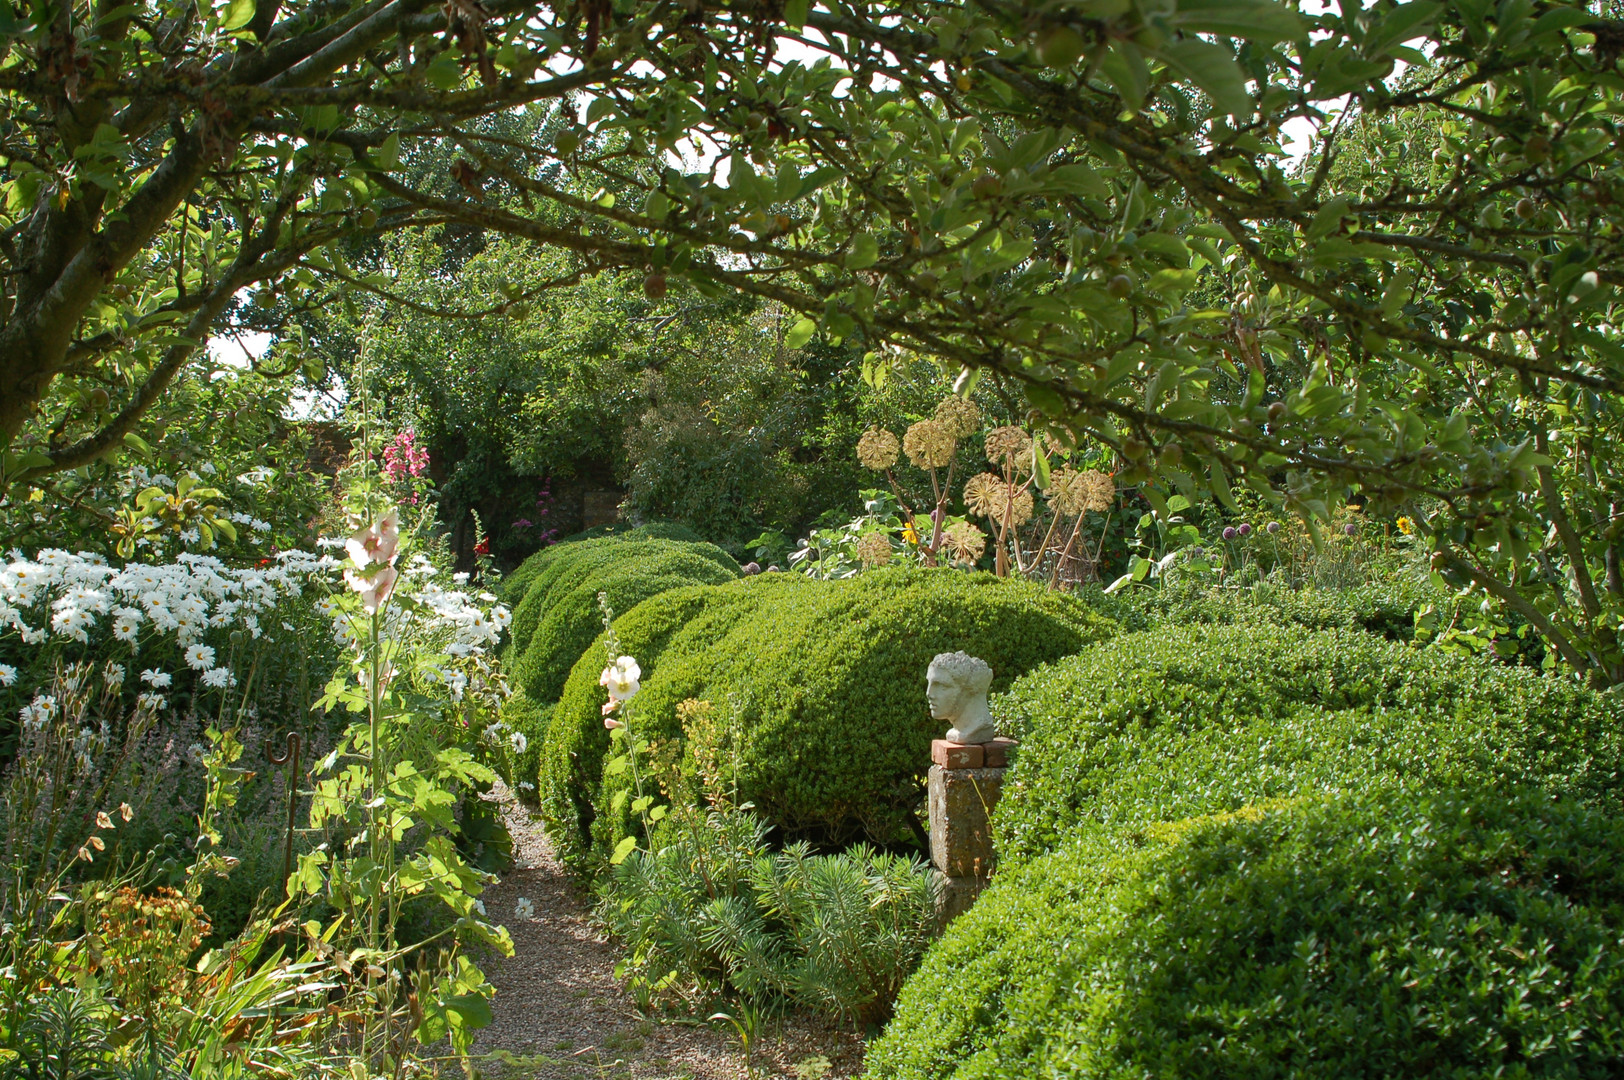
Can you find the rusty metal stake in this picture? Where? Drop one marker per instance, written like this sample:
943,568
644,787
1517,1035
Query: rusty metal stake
292,755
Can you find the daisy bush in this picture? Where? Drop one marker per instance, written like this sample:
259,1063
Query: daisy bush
396,819
181,627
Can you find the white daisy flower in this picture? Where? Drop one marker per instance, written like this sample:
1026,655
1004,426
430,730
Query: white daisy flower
220,678
200,657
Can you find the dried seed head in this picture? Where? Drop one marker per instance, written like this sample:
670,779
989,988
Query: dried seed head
873,550
877,449
1010,446
1073,491
959,416
929,445
964,542
984,494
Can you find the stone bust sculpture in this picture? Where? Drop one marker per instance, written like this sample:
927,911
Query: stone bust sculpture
956,687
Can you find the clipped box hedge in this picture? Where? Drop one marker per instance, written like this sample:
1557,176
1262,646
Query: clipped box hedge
687,620
516,584
559,616
1179,722
828,682
519,767
1380,934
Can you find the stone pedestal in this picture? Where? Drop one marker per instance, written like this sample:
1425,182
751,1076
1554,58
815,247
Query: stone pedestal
964,787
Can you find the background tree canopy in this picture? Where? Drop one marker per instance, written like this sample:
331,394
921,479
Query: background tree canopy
1086,201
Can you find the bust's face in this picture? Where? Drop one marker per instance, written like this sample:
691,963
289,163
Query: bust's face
946,697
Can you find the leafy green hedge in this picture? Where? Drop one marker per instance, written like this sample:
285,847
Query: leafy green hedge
1387,608
687,620
1178,722
1379,935
559,615
827,680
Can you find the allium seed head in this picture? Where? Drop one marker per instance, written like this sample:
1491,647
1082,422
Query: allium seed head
929,445
959,416
877,449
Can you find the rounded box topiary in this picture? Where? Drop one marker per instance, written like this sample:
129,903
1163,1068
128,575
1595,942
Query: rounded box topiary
571,764
1176,722
1383,934
517,584
559,615
826,686
518,766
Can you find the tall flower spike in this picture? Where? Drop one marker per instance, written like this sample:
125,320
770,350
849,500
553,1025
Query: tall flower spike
374,543
374,587
621,679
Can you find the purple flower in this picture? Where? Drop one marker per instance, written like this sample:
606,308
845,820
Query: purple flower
1229,532
1350,529
1245,529
750,569
1197,552
1274,527
523,523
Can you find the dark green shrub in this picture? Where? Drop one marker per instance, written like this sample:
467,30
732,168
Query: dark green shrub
1178,722
714,912
572,759
1379,935
516,584
560,616
527,719
828,686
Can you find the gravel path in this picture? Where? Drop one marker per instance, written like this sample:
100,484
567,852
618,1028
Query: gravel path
560,1013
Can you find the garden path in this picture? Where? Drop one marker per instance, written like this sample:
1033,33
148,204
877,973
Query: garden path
560,1013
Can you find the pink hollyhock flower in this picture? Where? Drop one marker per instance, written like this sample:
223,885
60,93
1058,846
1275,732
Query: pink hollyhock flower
374,587
375,543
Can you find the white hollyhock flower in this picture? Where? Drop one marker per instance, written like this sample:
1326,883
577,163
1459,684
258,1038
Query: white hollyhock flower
373,588
621,679
375,543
